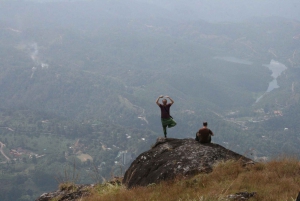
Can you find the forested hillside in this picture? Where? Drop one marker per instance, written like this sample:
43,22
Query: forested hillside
78,88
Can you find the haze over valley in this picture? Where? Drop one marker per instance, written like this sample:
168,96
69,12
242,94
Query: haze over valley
79,80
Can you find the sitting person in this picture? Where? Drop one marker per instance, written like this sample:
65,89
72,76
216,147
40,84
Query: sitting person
204,134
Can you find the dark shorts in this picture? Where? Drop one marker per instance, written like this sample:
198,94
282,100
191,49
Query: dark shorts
207,140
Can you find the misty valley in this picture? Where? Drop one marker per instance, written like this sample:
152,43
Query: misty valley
276,67
78,89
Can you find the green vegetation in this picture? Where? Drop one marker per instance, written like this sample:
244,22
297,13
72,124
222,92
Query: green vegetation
43,150
76,90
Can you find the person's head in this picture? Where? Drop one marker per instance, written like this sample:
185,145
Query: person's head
205,123
164,101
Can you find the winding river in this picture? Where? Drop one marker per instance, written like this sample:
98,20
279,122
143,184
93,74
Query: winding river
277,68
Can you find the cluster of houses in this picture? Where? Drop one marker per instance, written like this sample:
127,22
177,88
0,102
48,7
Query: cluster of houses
18,152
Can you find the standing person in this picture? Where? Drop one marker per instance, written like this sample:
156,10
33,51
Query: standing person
204,134
166,118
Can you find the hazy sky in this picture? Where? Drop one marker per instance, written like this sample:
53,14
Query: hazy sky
214,10
223,10
179,10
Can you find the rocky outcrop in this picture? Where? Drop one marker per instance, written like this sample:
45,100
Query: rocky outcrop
241,196
167,159
73,192
170,158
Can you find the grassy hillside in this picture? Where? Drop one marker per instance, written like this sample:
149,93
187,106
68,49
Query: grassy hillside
274,180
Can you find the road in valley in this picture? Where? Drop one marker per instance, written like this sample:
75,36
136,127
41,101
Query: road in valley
2,152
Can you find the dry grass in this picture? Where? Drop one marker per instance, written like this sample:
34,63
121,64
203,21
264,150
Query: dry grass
275,180
68,186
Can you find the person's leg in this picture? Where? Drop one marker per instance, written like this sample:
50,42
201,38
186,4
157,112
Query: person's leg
197,138
164,124
172,123
165,131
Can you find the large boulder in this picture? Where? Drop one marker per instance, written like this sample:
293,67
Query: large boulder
170,158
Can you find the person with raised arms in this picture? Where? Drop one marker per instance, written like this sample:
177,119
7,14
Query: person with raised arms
166,119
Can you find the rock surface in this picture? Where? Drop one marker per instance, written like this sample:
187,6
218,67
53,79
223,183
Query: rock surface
241,196
170,158
75,193
298,197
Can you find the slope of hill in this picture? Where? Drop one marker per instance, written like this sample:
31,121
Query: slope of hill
274,180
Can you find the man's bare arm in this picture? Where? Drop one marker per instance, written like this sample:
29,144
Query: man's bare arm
157,103
170,99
